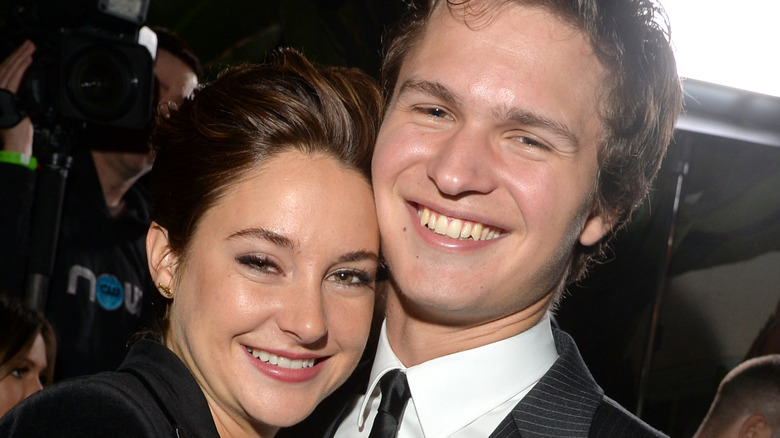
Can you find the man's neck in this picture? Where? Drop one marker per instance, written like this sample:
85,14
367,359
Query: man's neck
114,184
416,340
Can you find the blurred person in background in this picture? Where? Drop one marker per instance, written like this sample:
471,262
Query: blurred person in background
100,290
747,404
27,349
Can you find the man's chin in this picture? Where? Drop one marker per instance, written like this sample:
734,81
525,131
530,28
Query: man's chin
106,138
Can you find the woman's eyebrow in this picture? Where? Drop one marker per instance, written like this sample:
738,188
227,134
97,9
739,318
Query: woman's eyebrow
356,256
264,234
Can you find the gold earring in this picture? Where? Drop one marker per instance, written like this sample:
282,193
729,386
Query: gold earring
166,291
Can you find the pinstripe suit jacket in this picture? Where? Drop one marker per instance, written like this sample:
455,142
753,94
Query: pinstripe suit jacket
566,402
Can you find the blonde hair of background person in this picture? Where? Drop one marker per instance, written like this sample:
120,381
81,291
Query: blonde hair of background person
27,350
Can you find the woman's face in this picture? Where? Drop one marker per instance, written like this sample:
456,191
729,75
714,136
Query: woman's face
272,306
25,378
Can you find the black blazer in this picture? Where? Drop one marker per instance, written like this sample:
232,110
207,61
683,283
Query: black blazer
566,402
152,394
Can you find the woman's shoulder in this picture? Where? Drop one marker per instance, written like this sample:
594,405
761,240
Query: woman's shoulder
106,404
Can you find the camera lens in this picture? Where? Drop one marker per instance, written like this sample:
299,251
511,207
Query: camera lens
100,84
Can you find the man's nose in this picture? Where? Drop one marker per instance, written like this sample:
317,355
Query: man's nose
460,164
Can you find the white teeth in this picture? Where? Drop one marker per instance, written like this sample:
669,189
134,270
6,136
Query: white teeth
281,361
476,232
441,225
455,228
466,230
424,215
432,221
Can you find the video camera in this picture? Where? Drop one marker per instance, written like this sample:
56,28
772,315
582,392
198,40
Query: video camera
93,63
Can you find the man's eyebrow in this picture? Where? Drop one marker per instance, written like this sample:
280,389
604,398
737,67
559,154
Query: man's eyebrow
262,233
528,118
434,89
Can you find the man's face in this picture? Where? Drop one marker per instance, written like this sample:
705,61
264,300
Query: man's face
175,79
495,126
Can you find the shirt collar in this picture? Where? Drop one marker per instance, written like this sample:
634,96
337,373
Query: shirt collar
384,360
452,391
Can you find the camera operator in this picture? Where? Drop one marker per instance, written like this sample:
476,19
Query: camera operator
100,289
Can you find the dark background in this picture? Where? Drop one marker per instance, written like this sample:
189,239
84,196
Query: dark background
334,32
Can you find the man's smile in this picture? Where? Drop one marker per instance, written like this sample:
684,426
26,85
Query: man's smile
453,227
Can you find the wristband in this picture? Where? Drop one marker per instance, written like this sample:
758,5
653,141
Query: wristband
19,158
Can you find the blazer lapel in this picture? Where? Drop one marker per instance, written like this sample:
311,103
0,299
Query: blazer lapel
561,404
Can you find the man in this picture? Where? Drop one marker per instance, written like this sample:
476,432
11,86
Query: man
100,290
747,403
518,137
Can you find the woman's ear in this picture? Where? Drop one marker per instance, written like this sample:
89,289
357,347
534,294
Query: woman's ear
162,261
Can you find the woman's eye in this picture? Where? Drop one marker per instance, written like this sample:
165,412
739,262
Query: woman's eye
352,278
258,263
18,373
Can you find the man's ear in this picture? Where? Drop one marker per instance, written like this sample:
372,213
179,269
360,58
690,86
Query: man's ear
755,426
595,228
162,261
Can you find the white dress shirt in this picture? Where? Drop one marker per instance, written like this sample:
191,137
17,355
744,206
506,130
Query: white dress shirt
462,395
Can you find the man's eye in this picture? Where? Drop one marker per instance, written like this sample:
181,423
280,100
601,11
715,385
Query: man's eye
435,112
530,142
527,141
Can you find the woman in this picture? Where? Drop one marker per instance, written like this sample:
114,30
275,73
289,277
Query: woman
27,348
265,247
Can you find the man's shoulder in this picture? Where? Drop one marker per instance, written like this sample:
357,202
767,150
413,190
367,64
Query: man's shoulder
612,420
568,398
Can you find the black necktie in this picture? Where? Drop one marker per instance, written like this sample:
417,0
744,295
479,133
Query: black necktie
395,394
